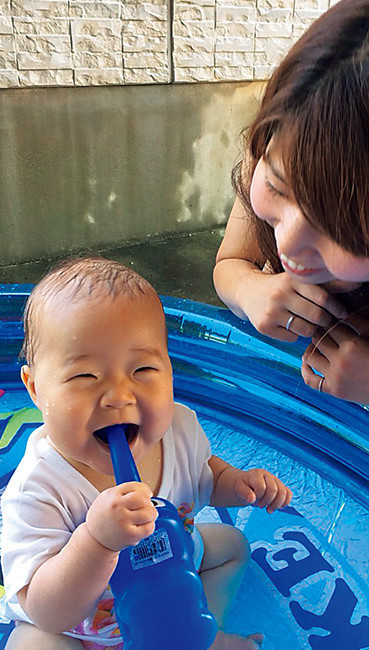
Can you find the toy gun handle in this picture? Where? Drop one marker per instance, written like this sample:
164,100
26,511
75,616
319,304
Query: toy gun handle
157,591
123,463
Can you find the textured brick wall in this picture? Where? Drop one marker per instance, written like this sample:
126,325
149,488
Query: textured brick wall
96,42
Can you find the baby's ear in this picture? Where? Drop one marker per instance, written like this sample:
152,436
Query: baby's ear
28,380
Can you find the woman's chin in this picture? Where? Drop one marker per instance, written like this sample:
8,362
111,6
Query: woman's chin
340,286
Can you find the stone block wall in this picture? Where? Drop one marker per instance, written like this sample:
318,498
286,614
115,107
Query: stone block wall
109,42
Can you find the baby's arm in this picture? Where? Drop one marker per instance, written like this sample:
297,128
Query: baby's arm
235,487
64,589
266,299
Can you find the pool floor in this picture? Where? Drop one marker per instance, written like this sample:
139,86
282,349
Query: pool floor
297,606
298,556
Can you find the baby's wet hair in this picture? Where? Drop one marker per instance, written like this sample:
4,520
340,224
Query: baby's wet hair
80,277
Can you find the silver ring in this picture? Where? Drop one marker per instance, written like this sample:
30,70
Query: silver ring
320,385
289,322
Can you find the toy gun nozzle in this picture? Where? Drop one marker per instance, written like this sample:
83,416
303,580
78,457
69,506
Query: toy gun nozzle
124,465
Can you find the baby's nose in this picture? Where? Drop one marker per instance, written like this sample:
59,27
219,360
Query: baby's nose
118,395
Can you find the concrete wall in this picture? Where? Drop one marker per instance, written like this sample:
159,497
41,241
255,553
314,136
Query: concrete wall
97,42
82,165
99,167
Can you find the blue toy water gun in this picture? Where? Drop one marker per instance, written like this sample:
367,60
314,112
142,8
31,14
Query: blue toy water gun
159,599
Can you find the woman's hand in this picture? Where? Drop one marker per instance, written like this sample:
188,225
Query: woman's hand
272,302
122,515
284,309
341,355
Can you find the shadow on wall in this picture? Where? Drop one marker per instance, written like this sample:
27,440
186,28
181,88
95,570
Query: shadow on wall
100,167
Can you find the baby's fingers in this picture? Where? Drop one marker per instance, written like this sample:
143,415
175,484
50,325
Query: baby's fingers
132,486
245,492
262,485
277,495
269,491
136,501
282,499
140,532
145,515
140,523
135,533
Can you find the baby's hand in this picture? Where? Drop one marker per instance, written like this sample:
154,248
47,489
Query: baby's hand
262,489
122,515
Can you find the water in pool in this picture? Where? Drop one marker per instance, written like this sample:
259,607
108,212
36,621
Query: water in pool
329,536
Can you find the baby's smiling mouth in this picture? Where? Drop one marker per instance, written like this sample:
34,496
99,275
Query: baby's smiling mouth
131,434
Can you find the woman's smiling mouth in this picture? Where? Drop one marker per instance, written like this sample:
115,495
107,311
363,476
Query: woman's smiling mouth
294,267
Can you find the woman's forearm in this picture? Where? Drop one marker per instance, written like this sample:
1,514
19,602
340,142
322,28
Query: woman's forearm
236,281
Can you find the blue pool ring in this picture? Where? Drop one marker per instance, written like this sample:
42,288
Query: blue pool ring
307,582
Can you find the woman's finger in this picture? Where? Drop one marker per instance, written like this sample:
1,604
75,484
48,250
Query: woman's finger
324,343
340,334
315,358
300,327
315,366
285,335
320,297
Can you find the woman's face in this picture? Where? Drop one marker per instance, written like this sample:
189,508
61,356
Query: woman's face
308,255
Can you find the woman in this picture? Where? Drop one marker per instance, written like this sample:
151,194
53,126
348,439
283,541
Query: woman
295,255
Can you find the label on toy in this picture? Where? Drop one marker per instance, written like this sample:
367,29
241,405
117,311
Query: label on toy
151,550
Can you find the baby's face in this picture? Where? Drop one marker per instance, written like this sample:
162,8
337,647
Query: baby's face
101,361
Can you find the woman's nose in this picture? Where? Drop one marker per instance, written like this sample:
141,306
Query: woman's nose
293,234
117,396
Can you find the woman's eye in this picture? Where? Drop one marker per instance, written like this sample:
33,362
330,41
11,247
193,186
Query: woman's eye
273,190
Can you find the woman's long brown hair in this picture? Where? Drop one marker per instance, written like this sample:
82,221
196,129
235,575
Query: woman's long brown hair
316,105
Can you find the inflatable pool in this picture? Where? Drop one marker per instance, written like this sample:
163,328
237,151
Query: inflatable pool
307,583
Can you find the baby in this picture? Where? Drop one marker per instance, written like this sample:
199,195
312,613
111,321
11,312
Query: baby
96,355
